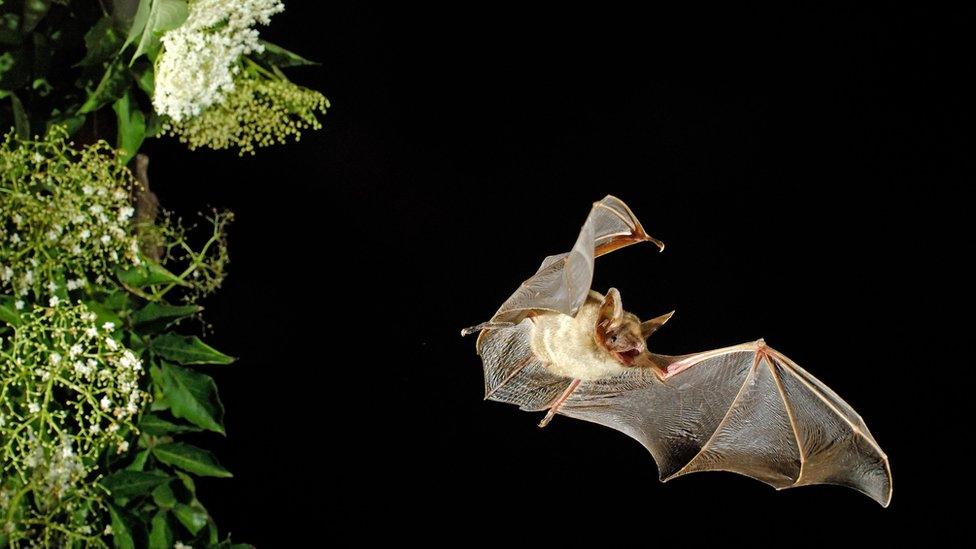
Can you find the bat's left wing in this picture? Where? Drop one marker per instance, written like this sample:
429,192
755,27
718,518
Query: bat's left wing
746,409
563,281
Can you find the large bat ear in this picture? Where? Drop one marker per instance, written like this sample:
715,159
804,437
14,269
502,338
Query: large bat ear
563,281
611,312
648,327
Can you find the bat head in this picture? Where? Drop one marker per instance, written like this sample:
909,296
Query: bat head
617,331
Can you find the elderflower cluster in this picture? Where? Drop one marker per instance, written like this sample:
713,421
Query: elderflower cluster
64,215
69,393
258,112
201,57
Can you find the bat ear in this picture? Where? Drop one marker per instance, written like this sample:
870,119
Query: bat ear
611,311
648,327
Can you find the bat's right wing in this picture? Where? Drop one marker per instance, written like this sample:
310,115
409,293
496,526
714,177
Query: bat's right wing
746,409
563,281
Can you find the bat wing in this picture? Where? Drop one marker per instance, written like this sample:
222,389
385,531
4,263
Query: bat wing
746,409
563,281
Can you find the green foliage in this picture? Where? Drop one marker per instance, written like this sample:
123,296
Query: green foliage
102,390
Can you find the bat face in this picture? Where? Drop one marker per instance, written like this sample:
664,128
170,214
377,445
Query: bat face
617,331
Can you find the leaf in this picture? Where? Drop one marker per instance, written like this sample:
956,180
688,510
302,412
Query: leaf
8,311
160,534
111,87
34,11
152,424
187,350
128,483
191,459
277,56
122,523
156,315
103,314
164,15
193,517
164,497
193,396
145,77
21,122
149,273
131,125
139,462
101,43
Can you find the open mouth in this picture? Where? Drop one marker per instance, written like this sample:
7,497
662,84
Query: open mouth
627,357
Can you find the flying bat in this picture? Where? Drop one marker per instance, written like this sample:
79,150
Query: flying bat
558,347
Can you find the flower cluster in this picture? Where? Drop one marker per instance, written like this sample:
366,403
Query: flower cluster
201,57
69,393
64,215
259,112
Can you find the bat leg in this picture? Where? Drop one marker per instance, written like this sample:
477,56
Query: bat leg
554,407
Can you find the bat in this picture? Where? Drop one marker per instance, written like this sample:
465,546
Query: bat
556,346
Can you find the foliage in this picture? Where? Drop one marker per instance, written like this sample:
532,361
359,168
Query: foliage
103,392
85,459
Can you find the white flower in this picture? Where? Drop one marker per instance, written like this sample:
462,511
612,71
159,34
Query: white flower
105,404
123,447
19,304
52,286
53,302
91,332
200,57
126,212
108,530
111,343
33,407
108,326
55,358
75,350
6,274
105,239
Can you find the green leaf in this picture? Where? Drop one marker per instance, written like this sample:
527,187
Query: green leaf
164,497
277,56
21,122
160,534
103,314
8,311
127,483
156,315
139,462
138,22
131,125
34,11
192,396
111,87
122,523
101,43
145,77
187,350
149,273
194,517
164,15
191,459
152,424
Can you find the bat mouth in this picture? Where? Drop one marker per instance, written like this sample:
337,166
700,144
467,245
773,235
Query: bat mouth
627,357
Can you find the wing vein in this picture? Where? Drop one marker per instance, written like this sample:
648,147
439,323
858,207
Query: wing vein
854,428
728,414
789,413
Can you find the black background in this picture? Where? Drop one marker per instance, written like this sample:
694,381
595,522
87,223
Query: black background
795,163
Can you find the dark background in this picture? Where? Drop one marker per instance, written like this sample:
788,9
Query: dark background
795,163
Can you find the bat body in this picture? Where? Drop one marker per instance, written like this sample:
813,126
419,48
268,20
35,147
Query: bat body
559,347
